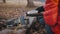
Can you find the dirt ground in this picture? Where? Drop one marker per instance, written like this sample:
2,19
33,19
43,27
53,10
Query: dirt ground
8,31
12,11
8,11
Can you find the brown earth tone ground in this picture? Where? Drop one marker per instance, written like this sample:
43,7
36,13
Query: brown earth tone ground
12,11
8,31
8,11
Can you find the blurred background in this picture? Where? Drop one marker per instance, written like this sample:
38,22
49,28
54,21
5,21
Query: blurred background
13,14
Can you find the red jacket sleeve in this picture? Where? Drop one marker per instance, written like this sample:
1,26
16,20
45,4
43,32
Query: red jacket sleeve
50,14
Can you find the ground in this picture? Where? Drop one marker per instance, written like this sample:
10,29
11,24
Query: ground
8,31
12,11
8,11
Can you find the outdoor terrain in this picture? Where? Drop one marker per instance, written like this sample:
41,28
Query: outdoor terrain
8,11
14,10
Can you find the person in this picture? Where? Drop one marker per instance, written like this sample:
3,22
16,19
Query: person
52,15
42,21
